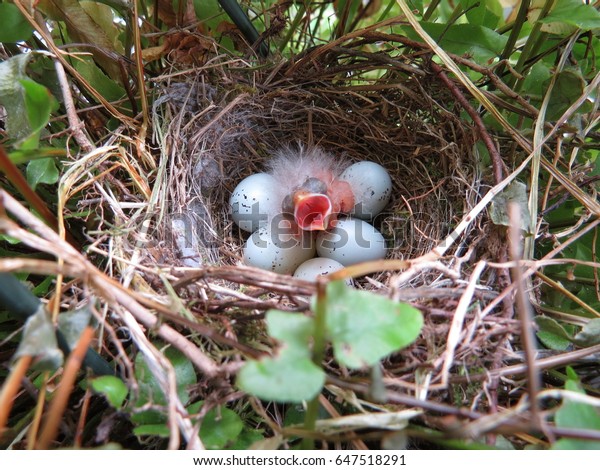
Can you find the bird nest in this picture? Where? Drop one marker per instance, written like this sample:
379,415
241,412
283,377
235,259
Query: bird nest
223,121
227,120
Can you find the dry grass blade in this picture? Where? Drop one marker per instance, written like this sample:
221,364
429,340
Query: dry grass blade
118,297
10,388
456,329
63,392
60,55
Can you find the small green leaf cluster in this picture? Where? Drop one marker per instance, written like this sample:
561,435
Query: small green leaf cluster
220,428
362,327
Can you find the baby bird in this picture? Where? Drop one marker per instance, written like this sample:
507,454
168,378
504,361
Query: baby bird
309,188
292,210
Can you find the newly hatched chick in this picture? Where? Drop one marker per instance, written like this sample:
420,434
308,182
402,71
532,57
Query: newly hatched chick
312,187
302,192
308,185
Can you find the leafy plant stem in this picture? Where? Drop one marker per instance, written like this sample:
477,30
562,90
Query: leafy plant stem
241,20
534,41
459,10
514,34
505,28
293,27
386,11
312,409
432,7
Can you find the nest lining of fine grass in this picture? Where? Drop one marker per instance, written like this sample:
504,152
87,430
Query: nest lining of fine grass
406,122
221,123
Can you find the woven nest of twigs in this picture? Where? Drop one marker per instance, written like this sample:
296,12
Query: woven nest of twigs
222,122
221,132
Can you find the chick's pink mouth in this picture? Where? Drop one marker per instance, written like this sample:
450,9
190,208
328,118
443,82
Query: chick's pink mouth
312,211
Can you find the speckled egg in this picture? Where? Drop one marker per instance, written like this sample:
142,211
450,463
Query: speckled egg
252,201
351,241
278,249
312,268
372,187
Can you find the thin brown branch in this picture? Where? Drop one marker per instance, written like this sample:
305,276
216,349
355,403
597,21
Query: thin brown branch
10,388
497,164
525,315
76,126
63,392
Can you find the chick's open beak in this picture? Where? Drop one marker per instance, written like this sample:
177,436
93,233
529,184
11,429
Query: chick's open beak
312,211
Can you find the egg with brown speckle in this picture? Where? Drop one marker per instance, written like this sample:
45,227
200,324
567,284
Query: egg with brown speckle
372,188
351,241
278,248
253,201
315,267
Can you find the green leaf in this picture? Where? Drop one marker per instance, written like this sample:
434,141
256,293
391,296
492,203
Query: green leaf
41,171
482,43
39,103
87,28
575,13
515,193
589,334
150,391
43,288
220,428
73,322
365,327
533,84
290,376
158,430
295,330
12,95
39,341
480,13
568,87
15,27
286,378
107,87
294,415
584,252
576,415
209,12
550,325
113,388
553,341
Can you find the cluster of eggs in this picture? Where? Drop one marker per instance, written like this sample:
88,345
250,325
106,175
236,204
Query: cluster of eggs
276,243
